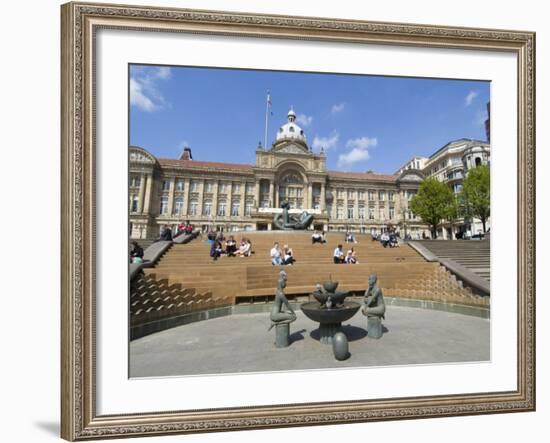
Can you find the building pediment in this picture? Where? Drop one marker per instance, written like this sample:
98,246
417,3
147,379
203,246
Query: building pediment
140,155
291,148
411,175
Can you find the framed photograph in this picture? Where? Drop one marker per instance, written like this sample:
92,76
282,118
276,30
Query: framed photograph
275,221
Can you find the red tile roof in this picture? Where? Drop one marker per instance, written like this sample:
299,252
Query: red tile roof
195,164
362,176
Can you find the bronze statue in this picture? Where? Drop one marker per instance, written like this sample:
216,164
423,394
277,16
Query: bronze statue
327,295
281,314
286,221
374,308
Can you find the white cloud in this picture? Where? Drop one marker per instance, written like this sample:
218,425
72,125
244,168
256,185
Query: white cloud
138,98
325,142
361,143
144,93
337,108
164,73
470,98
304,120
358,151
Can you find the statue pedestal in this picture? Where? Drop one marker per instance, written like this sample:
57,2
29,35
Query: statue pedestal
282,335
374,327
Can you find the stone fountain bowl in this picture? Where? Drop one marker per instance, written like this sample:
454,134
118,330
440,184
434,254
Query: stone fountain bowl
330,286
313,311
337,298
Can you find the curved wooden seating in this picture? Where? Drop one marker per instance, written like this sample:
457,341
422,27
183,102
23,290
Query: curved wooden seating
402,272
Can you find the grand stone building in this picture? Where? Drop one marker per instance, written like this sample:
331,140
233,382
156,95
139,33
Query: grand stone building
246,196
450,164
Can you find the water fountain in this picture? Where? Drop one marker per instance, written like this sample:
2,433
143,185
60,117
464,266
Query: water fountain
330,310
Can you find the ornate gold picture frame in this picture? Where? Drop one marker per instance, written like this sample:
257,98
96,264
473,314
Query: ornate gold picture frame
80,23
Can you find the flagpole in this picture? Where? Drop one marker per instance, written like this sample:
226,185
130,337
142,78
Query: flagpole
266,117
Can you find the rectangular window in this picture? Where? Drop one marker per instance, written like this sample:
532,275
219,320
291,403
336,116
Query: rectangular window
165,185
249,188
382,214
350,213
180,185
178,206
372,195
207,208
299,192
381,195
222,188
134,203
340,212
222,209
390,196
164,205
361,195
236,188
194,186
235,209
193,208
392,213
208,187
135,181
351,195
248,209
371,213
362,213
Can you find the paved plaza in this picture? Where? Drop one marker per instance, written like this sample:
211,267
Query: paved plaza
242,343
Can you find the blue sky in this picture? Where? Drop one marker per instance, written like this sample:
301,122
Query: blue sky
363,122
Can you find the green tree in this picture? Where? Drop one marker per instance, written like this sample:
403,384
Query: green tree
476,194
434,202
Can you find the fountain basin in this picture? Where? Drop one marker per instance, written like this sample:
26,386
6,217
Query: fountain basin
330,320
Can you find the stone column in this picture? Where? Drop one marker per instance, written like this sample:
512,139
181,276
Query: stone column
229,200
186,194
356,209
141,193
148,189
243,196
215,186
257,193
309,201
322,197
200,198
277,203
271,199
171,195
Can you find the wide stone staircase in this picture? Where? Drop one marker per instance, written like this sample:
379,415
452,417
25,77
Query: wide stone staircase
472,254
402,272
